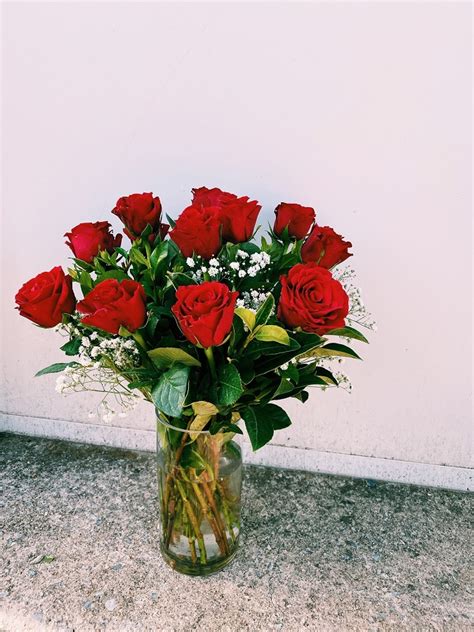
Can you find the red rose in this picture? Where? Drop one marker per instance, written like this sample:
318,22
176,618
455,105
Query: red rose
45,298
86,239
139,210
325,247
211,197
198,230
238,219
114,303
312,299
297,218
238,215
205,312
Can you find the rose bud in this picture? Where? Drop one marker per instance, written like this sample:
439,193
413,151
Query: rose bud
312,299
112,304
139,210
45,298
205,312
211,197
198,230
298,219
325,247
88,238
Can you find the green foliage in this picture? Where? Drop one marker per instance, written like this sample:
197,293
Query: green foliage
71,348
265,311
334,349
229,385
262,421
272,333
164,357
348,332
170,391
247,316
58,367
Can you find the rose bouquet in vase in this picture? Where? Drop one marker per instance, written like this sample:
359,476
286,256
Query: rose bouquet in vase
209,326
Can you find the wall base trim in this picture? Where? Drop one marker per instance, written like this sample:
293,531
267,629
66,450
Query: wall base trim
443,476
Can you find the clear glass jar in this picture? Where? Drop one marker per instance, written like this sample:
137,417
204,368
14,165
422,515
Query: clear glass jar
199,481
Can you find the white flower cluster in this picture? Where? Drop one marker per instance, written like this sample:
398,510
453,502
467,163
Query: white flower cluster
245,264
75,379
200,268
358,313
94,348
249,265
122,352
252,300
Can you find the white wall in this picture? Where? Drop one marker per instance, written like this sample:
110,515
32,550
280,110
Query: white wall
362,110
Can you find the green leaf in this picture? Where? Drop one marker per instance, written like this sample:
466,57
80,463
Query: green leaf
71,348
326,375
260,432
348,332
164,357
140,384
171,221
261,421
120,275
272,355
85,282
179,278
122,251
335,349
278,416
265,310
272,333
291,372
159,257
284,387
230,385
170,391
137,257
258,349
247,316
55,368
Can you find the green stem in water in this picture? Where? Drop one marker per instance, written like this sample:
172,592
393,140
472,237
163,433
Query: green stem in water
194,522
212,363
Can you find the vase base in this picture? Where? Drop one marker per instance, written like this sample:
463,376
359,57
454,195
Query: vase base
187,567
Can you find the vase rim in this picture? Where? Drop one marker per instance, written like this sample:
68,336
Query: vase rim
183,430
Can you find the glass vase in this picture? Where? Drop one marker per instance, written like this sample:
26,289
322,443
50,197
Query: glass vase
199,481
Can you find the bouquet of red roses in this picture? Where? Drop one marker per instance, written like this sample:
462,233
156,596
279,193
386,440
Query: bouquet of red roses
209,327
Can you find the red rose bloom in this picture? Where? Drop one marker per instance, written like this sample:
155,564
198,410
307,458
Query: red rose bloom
325,247
205,312
139,210
86,239
297,218
211,197
238,215
45,298
114,303
198,230
311,299
238,219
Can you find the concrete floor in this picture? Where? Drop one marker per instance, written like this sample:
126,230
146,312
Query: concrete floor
318,553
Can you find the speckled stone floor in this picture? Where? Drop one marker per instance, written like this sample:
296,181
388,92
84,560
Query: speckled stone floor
319,552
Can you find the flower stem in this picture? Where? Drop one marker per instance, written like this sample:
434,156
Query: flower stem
212,363
194,522
211,516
